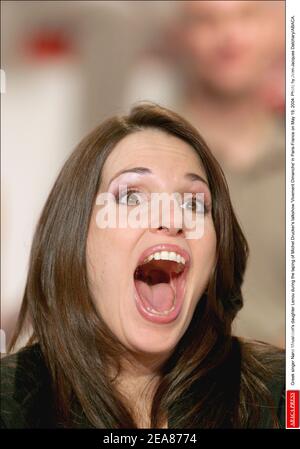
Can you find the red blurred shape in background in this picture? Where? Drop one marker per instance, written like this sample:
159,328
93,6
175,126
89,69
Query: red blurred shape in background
49,44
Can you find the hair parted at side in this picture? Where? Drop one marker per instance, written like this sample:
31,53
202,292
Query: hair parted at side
76,342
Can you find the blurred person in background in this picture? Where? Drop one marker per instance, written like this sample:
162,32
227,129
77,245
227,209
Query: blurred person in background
227,58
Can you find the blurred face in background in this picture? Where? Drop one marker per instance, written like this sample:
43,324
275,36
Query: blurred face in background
229,45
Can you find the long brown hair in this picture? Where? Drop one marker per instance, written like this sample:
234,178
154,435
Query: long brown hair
206,382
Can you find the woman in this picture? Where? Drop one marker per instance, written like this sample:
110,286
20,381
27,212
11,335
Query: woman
132,325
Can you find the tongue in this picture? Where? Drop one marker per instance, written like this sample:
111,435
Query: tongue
159,296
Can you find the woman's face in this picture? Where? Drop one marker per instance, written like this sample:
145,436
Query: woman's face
149,308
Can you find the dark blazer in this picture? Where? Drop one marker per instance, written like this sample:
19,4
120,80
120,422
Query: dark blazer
27,399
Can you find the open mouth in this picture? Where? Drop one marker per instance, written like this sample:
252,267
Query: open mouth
160,283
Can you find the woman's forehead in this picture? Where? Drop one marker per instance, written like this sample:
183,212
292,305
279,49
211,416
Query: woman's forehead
155,149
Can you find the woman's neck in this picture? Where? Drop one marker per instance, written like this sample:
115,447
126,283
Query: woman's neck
137,383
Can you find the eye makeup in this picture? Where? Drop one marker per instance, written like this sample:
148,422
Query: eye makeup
141,182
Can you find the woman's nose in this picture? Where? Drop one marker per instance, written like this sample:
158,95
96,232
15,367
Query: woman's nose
171,231
168,223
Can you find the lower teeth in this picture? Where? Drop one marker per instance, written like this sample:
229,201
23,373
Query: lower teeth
165,312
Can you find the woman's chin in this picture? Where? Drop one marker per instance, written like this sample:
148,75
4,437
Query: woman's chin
150,344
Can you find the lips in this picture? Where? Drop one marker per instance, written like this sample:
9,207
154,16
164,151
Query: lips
160,280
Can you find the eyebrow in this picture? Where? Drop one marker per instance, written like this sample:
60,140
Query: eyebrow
146,171
195,177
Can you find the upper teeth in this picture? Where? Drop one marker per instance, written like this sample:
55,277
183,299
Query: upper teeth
166,255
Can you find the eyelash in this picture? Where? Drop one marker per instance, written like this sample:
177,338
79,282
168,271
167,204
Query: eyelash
132,190
129,192
206,209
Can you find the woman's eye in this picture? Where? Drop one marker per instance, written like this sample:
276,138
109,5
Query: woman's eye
131,198
195,205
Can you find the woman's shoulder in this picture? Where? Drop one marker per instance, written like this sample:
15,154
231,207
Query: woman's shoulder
26,397
269,358
265,364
